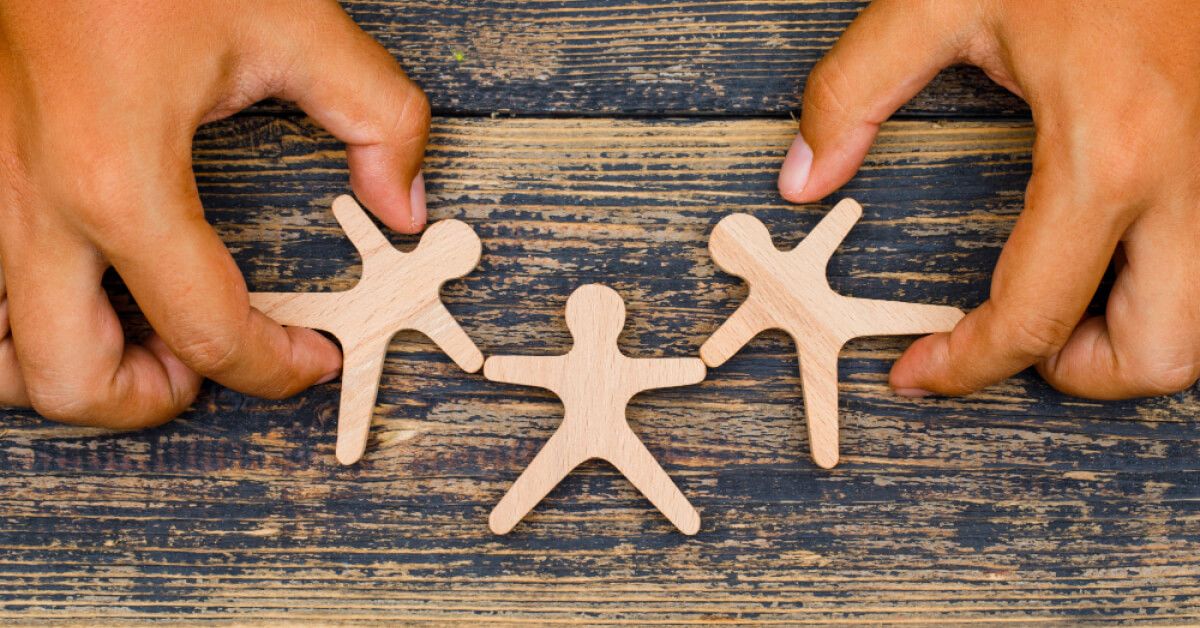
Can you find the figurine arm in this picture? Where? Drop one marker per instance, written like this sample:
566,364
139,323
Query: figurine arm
317,310
526,370
363,234
824,239
871,317
653,373
439,325
744,324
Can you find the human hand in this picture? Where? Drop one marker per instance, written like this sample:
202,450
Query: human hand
1115,93
97,113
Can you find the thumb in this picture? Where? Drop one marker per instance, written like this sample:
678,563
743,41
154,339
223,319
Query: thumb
890,51
354,88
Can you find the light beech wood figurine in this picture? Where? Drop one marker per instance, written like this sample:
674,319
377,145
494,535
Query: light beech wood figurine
595,382
397,291
789,291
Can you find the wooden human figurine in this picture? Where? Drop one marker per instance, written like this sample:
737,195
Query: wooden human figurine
595,382
397,291
789,291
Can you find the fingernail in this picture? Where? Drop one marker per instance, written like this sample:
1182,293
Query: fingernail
333,363
913,392
416,198
794,175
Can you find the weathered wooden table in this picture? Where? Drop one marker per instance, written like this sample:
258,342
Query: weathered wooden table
600,141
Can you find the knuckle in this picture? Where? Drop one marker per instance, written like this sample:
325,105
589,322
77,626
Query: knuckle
100,190
416,101
1037,335
78,403
15,189
12,169
96,173
826,91
211,354
1111,173
413,116
403,124
1165,375
95,404
1117,170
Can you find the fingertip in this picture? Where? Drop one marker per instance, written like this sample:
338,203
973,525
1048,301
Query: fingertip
418,211
377,181
913,393
793,176
319,360
917,367
328,377
838,151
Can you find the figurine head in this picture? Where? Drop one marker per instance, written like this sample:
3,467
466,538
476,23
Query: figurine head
454,247
733,241
595,315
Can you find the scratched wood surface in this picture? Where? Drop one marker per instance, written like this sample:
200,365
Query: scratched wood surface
596,57
1014,505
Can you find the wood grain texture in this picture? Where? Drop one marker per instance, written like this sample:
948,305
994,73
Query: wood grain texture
713,57
1013,505
789,291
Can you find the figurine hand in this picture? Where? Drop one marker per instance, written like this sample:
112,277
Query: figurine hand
99,104
1115,93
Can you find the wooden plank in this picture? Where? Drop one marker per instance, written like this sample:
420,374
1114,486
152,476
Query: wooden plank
1014,505
633,56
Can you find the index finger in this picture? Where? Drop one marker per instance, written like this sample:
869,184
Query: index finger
1047,274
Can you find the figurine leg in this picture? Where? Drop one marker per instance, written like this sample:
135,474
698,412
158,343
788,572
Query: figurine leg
636,462
362,366
549,467
819,377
